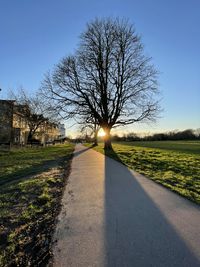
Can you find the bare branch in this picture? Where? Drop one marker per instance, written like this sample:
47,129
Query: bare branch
109,79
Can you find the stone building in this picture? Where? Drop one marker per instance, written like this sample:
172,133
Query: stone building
47,132
20,126
6,121
14,127
61,128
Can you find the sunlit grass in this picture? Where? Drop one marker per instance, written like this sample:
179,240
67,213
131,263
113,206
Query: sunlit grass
175,165
29,203
27,161
190,147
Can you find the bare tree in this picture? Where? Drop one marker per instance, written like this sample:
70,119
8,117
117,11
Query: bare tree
91,124
32,109
109,76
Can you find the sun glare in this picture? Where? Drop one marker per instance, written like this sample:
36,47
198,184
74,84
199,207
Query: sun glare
101,133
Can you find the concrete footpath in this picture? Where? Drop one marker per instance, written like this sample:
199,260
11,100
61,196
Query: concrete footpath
114,217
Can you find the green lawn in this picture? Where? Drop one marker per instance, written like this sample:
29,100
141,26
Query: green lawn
190,147
31,184
174,164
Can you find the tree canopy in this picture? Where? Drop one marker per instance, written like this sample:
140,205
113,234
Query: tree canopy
108,78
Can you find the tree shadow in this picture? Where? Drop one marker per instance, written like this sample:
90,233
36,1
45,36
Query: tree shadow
29,172
111,153
136,230
77,153
17,202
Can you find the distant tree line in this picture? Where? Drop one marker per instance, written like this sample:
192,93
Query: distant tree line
188,134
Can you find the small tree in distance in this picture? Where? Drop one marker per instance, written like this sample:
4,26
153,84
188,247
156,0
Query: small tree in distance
32,108
108,76
93,126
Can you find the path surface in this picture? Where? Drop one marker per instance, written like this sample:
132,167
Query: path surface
113,217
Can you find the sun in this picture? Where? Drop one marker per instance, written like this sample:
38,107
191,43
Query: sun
101,133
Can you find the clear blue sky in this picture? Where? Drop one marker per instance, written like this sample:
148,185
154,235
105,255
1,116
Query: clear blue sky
36,34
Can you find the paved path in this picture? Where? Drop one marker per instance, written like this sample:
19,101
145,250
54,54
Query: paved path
113,217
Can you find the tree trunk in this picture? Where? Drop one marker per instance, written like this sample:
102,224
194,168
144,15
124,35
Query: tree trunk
107,139
30,135
96,138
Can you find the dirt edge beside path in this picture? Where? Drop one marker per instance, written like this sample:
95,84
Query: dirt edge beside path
26,233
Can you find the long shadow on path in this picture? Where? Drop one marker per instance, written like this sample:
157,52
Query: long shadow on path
77,153
136,231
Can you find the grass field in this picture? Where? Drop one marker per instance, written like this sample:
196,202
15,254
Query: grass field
31,184
190,147
174,164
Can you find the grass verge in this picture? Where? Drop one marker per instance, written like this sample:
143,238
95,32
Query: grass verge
32,183
176,165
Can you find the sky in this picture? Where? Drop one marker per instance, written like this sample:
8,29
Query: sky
36,34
